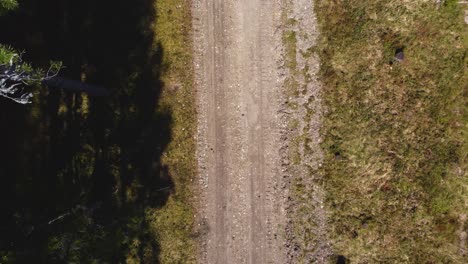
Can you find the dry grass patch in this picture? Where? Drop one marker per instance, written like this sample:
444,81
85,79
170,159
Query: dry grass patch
395,168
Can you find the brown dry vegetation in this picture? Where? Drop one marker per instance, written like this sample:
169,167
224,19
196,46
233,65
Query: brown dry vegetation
394,132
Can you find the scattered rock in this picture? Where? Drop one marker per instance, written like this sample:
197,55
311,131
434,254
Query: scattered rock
399,55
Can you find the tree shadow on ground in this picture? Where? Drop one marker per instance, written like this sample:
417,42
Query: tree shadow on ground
79,173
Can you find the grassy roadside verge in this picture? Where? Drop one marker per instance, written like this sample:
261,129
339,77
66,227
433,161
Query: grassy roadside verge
395,155
172,224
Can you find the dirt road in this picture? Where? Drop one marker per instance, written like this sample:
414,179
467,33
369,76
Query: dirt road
241,215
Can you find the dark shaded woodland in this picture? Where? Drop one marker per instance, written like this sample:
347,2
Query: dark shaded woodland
78,172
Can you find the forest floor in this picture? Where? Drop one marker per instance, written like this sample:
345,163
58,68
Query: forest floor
237,47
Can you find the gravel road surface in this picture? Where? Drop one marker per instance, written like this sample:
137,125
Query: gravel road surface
241,214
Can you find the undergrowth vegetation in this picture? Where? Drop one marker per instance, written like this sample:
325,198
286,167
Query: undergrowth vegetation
394,129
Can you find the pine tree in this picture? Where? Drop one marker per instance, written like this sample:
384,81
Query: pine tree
17,76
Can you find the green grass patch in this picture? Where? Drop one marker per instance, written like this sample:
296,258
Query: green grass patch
395,154
290,41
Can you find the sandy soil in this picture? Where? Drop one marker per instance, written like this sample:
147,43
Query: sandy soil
241,212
